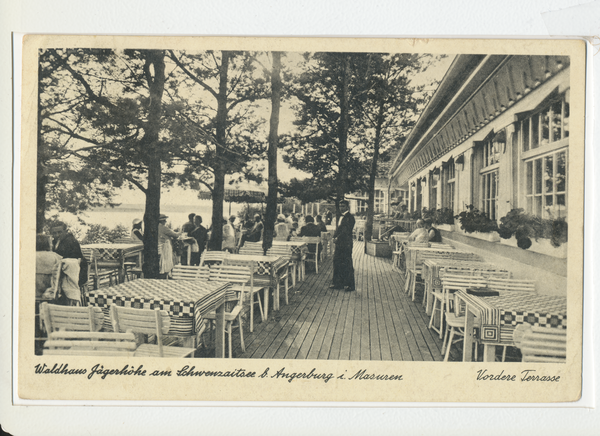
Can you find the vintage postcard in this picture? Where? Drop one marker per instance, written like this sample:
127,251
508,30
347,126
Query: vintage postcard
301,219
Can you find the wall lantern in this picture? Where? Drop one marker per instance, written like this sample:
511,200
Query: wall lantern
460,162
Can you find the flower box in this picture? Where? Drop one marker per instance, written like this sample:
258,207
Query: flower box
379,249
542,246
446,227
490,237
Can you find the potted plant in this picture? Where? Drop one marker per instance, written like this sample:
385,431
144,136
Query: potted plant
477,224
444,219
523,229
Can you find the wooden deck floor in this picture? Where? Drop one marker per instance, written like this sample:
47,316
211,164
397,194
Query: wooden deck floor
377,322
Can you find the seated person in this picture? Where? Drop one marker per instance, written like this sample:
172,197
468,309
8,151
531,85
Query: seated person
311,229
294,230
433,233
320,223
420,234
255,233
46,262
282,231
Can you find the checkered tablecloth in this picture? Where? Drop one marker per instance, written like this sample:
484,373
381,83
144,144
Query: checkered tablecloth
500,315
297,247
264,264
187,302
108,251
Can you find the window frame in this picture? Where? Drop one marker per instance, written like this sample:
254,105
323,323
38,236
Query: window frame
529,155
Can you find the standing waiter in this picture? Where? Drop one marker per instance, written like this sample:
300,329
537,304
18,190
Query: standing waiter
343,270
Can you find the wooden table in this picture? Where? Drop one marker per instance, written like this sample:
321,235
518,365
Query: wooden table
298,256
499,316
110,255
186,301
433,267
270,266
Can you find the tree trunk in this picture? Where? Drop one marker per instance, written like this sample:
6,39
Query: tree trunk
272,153
156,84
372,176
218,194
343,134
41,177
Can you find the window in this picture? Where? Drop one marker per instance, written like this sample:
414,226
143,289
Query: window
490,193
379,201
544,141
433,190
449,194
361,206
492,148
546,185
547,126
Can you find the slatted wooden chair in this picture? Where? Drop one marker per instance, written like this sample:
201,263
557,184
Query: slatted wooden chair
314,256
454,325
90,344
71,318
296,261
257,283
482,271
132,269
187,272
100,277
459,281
541,344
415,266
398,250
148,322
210,258
241,277
252,248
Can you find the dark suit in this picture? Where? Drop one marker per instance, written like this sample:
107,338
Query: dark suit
201,235
343,270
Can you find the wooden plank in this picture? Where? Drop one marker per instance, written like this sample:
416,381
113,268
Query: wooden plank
374,348
381,269
299,348
336,321
358,296
397,319
376,322
278,331
314,302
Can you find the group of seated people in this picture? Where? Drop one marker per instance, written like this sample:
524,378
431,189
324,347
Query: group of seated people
425,232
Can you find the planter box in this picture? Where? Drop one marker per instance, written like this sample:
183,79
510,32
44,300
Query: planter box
446,227
490,237
379,249
542,246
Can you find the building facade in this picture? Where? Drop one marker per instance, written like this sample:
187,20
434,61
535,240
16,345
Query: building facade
385,198
496,136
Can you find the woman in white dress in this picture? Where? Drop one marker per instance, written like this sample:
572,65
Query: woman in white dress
165,235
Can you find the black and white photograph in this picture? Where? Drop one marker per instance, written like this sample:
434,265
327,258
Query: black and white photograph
307,220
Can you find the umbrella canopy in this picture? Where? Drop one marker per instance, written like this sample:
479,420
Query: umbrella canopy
240,196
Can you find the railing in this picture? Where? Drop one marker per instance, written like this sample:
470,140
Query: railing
408,225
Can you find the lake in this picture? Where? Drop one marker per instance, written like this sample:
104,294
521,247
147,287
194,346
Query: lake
126,213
